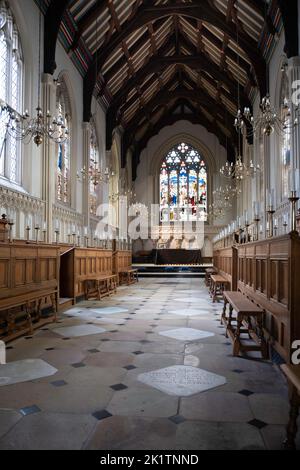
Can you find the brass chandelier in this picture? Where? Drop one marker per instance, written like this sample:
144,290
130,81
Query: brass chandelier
43,125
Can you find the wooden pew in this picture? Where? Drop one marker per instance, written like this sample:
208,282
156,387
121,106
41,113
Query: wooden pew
268,273
79,265
249,319
208,273
100,286
128,276
225,262
218,285
122,266
29,276
292,374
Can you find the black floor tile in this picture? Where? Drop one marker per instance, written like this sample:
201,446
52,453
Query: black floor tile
118,387
102,414
29,410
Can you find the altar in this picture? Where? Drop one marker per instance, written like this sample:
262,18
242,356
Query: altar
176,257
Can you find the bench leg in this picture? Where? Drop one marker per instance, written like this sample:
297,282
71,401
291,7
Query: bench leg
263,343
215,290
29,319
54,305
223,317
11,322
289,443
230,318
237,344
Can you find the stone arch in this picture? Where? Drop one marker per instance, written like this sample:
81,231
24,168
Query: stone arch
203,150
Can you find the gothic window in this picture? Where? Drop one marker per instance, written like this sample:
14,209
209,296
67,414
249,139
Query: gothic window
183,185
11,84
94,167
64,148
286,138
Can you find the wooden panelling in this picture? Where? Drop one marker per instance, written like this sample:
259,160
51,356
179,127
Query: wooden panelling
276,271
29,276
122,260
225,260
81,264
4,273
268,272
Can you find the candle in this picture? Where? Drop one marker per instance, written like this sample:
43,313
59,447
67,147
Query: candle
57,224
85,231
294,179
27,221
271,198
45,226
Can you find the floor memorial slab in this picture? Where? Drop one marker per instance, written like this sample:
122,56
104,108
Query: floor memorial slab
186,334
130,298
189,312
24,371
78,312
109,310
110,320
193,300
182,381
79,330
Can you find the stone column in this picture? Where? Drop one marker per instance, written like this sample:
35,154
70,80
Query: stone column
294,76
49,157
86,129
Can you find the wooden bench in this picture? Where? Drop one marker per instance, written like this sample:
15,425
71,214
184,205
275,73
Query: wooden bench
22,314
218,285
292,374
208,273
129,275
101,286
246,313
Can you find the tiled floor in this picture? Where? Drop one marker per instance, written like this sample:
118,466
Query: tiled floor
118,384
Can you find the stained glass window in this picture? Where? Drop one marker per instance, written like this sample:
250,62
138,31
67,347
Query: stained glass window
64,149
94,165
183,185
11,81
286,138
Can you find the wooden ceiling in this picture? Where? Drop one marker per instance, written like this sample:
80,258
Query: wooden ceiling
152,62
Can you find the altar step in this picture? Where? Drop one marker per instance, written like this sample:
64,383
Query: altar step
171,271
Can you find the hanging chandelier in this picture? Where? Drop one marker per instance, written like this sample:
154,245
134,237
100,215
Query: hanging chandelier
43,125
269,120
239,170
94,174
222,201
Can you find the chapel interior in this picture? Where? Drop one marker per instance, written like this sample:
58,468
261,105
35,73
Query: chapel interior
149,225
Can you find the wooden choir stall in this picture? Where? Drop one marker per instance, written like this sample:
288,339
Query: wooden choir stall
267,272
29,282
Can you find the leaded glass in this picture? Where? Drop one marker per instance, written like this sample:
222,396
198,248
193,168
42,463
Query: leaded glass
183,184
11,70
63,150
94,163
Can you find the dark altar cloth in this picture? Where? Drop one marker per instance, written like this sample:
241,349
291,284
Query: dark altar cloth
168,257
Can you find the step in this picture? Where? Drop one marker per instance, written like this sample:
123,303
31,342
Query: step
65,303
